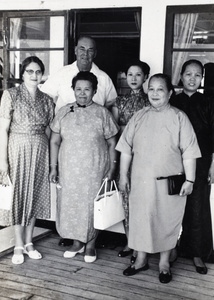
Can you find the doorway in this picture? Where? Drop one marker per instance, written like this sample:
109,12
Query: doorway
117,34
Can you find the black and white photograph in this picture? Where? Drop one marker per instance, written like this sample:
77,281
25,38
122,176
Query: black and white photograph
106,150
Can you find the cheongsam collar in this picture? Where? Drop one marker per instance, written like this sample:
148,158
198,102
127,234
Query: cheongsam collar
161,109
140,92
76,105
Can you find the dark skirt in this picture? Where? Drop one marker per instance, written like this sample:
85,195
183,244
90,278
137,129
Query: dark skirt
196,239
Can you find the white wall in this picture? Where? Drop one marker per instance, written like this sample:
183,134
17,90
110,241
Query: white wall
153,19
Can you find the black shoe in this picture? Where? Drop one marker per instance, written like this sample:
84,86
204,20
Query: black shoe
124,253
130,271
200,270
165,277
133,259
65,242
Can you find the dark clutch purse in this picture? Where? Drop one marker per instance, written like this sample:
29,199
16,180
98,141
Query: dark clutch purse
175,183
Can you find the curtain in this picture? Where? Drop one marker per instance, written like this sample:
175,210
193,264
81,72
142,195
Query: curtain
15,31
184,26
137,17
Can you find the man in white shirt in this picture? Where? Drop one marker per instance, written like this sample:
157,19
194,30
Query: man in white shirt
58,85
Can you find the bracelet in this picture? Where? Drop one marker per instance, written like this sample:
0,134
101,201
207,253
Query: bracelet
190,181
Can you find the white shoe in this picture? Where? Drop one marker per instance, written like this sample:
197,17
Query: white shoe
18,259
70,254
90,259
34,254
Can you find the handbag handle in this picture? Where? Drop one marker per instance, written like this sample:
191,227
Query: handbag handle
113,183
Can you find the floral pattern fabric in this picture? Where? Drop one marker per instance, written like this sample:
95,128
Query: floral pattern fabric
129,104
83,162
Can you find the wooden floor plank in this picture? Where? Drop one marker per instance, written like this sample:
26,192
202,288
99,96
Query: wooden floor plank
55,277
192,292
13,294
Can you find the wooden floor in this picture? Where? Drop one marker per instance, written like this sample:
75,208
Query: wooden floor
55,277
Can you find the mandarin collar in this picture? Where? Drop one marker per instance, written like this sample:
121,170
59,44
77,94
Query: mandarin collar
163,108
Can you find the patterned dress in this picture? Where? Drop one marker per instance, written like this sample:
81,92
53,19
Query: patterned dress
83,162
128,105
28,152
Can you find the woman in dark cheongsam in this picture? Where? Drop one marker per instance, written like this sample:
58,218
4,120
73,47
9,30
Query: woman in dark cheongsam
196,239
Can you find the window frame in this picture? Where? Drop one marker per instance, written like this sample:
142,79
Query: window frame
169,32
24,14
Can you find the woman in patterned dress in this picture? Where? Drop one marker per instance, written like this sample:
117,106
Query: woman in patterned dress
83,145
137,72
25,114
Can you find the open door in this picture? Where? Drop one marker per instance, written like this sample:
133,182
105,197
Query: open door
117,34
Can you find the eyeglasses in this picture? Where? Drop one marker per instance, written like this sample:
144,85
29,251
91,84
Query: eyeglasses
30,72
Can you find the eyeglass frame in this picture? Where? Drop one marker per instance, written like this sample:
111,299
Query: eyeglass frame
31,72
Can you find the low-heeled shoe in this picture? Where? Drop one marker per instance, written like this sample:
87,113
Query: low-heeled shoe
71,254
130,271
165,277
200,270
18,259
89,258
34,254
133,259
124,253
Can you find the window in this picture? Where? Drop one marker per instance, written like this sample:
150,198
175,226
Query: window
28,34
52,36
189,35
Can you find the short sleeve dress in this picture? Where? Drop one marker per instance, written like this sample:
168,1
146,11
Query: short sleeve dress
28,152
159,141
129,104
83,162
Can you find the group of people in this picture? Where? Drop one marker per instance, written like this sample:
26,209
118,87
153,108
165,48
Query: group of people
94,134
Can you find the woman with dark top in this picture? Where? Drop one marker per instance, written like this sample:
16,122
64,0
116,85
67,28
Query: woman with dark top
196,240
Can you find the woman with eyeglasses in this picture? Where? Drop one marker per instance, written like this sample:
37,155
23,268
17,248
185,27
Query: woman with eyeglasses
25,115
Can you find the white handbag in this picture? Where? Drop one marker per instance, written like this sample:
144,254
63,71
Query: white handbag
108,207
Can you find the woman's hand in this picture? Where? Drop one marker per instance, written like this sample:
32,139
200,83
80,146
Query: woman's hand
53,176
4,167
186,189
124,184
109,175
